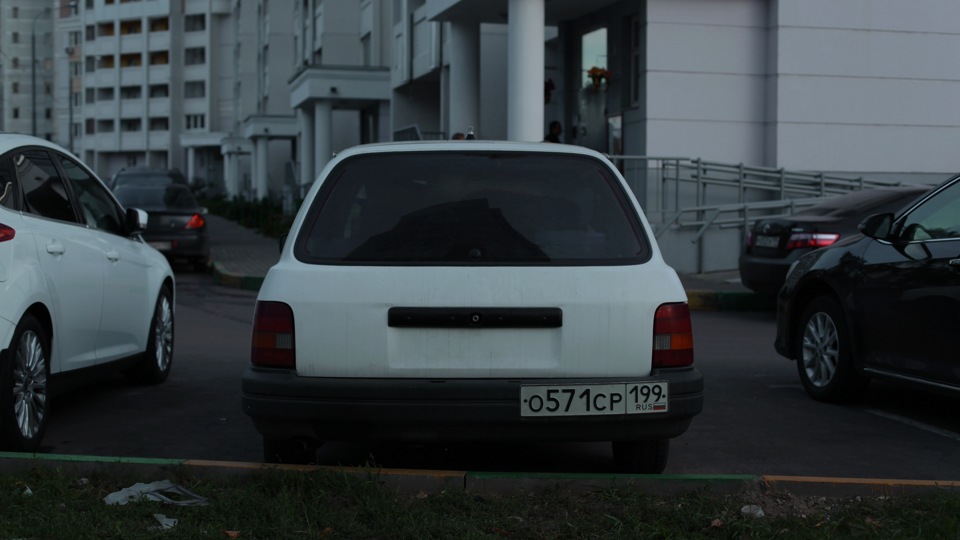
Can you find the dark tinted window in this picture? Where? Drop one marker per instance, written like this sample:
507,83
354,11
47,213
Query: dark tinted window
936,218
99,209
171,196
9,194
43,190
472,208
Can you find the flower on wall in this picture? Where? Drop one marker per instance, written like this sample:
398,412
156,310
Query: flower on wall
598,75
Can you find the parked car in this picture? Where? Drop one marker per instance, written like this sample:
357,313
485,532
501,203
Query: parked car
883,305
773,244
79,288
147,176
176,226
493,291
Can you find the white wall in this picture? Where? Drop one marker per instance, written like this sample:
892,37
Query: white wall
705,80
868,85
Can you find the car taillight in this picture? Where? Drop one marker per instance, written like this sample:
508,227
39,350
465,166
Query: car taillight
6,233
672,336
273,341
750,238
811,240
196,222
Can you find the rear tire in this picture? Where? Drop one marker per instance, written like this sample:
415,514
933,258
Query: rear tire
24,392
157,361
641,457
825,360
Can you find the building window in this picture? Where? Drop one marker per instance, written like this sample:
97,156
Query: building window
160,24
16,62
130,124
105,94
194,23
195,56
636,54
15,87
194,89
48,113
159,90
131,60
16,112
104,126
75,69
159,58
91,32
91,64
196,121
16,12
134,26
159,124
105,29
130,92
75,38
15,37
90,96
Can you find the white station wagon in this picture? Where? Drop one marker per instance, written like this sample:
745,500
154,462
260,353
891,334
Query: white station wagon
472,291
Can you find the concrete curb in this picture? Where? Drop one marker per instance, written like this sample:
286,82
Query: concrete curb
432,481
237,281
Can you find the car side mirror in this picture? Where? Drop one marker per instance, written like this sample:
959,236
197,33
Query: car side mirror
877,226
136,221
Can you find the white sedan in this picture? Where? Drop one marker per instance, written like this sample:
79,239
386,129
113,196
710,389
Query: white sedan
78,286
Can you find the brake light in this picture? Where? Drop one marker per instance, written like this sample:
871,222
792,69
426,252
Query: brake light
811,240
672,336
6,232
273,342
196,222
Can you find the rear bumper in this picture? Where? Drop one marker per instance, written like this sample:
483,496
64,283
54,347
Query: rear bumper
284,406
765,275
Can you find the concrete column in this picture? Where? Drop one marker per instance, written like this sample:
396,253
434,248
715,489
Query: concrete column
230,172
260,178
322,126
525,57
464,98
191,163
308,172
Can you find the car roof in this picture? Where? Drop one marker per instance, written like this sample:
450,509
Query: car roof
10,140
478,145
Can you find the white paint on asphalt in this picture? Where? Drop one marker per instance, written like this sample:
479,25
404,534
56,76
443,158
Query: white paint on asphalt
913,423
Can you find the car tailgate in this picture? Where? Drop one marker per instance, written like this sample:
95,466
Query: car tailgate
601,319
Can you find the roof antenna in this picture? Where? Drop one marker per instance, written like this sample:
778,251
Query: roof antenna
470,136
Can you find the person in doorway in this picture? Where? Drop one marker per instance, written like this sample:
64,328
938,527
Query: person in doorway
553,135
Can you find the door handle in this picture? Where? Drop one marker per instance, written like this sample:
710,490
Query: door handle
113,255
55,248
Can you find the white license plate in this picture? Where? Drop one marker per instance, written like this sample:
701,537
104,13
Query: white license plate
160,246
767,241
594,399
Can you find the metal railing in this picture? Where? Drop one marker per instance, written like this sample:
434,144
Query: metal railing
693,194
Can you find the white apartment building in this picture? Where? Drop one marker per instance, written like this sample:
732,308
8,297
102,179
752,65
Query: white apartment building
27,65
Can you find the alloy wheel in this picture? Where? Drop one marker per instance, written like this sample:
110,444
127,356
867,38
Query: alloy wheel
163,333
29,384
821,349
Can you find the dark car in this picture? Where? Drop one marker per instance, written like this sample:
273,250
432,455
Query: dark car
774,244
176,226
883,305
146,176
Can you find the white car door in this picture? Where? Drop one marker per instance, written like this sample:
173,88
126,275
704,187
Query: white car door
71,258
128,299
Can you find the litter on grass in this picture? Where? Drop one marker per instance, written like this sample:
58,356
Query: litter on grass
161,491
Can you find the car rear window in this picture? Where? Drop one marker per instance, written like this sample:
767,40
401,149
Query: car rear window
171,196
471,208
